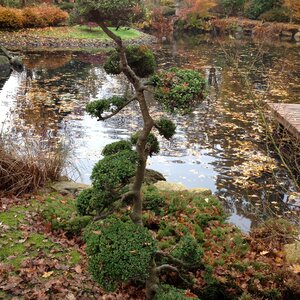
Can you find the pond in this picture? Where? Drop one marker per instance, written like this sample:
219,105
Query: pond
221,145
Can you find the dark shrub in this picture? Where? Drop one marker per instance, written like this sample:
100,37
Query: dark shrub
277,14
140,59
258,7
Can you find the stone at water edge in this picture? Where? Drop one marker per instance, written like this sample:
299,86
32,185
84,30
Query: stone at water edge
201,191
69,187
292,253
169,186
297,36
178,187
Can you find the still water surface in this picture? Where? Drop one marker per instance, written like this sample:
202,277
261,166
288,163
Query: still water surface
221,145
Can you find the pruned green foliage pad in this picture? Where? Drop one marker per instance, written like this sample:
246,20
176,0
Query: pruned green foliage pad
140,58
152,142
116,147
98,107
178,89
166,128
114,170
118,251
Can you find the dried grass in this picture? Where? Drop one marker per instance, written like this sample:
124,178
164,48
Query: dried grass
28,165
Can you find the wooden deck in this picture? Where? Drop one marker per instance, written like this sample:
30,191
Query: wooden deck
288,115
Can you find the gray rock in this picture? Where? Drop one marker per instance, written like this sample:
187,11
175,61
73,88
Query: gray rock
297,36
4,66
69,187
178,187
169,186
201,191
286,33
292,253
151,177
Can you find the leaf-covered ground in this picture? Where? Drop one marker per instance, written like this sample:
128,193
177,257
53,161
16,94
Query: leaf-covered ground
36,263
42,255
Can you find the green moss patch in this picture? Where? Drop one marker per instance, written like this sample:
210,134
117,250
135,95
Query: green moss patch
82,32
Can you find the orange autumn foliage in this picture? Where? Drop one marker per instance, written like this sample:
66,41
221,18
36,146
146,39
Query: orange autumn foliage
198,6
294,7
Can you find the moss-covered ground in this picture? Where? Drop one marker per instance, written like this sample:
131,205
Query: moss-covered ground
42,255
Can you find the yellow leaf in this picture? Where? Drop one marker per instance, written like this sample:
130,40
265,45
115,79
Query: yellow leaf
296,268
47,274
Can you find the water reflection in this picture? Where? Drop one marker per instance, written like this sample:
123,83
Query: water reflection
220,145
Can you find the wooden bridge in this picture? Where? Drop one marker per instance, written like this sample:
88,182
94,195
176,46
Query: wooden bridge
288,115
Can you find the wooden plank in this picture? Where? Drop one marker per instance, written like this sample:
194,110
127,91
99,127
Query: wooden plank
288,115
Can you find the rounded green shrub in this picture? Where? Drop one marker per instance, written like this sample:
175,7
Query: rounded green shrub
118,251
84,202
178,89
116,147
114,170
258,7
277,14
140,58
166,128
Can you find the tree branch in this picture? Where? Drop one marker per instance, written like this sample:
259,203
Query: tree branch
117,110
166,267
172,259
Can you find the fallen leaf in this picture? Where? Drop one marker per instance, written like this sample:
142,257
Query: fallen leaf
47,274
296,268
78,269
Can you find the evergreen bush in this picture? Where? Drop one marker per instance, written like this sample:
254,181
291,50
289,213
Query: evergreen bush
277,14
178,89
258,7
118,251
140,58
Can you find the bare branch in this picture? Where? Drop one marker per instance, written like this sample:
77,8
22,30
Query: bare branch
117,110
167,268
172,259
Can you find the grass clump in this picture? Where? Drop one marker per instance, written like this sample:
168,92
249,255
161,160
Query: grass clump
28,164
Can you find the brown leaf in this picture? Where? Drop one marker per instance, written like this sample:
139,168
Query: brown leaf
78,269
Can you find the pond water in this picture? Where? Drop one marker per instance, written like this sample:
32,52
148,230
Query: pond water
221,145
